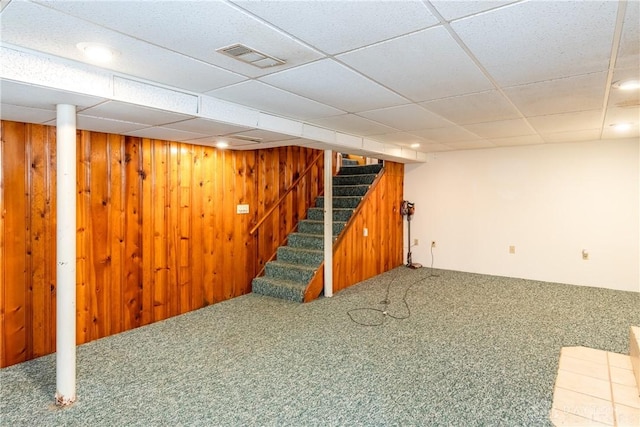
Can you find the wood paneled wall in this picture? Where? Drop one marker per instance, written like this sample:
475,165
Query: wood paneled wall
357,257
158,234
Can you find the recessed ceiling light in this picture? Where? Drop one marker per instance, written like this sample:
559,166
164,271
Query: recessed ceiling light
222,144
97,52
621,127
415,145
630,84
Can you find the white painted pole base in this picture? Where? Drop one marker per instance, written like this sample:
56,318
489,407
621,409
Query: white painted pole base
66,255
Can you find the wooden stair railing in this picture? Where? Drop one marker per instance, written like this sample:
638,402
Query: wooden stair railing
255,229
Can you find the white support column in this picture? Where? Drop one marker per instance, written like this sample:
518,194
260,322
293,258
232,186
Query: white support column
66,255
328,223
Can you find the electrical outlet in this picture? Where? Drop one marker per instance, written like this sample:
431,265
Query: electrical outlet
585,254
433,243
242,209
512,249
415,242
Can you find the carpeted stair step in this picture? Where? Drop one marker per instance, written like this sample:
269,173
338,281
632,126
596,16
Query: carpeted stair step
291,255
307,241
339,214
341,201
290,272
357,170
357,179
317,227
350,190
283,289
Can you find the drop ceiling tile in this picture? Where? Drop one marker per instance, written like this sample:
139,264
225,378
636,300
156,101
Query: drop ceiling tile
353,24
577,93
434,148
99,124
565,122
166,134
267,98
470,145
626,114
422,66
43,98
350,123
474,108
206,127
535,41
196,29
402,138
18,113
406,117
330,83
500,128
573,136
630,38
517,140
57,33
447,134
451,10
134,113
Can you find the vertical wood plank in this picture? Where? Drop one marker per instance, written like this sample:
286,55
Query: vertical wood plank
185,221
117,217
84,282
99,234
172,215
197,242
148,229
229,217
219,237
209,231
160,230
38,164
14,333
132,268
3,361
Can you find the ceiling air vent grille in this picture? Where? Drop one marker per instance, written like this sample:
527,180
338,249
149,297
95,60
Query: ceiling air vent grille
250,56
246,138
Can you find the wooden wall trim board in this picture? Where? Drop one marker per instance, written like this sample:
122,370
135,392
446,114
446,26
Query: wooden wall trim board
158,234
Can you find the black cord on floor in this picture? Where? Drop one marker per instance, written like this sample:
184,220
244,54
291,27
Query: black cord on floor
386,301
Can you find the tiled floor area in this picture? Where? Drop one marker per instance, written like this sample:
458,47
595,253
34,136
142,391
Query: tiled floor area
595,388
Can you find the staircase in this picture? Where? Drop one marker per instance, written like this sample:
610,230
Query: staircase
296,264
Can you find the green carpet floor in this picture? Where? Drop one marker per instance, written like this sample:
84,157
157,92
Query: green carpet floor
474,350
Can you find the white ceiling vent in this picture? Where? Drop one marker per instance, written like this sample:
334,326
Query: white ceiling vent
246,138
250,56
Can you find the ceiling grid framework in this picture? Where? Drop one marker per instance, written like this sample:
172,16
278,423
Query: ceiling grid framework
370,77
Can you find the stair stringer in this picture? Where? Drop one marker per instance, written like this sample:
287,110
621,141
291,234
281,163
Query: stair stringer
316,284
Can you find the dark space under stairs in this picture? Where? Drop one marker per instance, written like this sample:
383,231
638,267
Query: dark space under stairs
288,276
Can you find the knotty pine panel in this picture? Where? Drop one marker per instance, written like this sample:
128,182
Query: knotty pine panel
157,229
356,257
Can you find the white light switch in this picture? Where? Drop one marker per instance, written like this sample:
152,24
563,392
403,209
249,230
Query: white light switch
242,209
